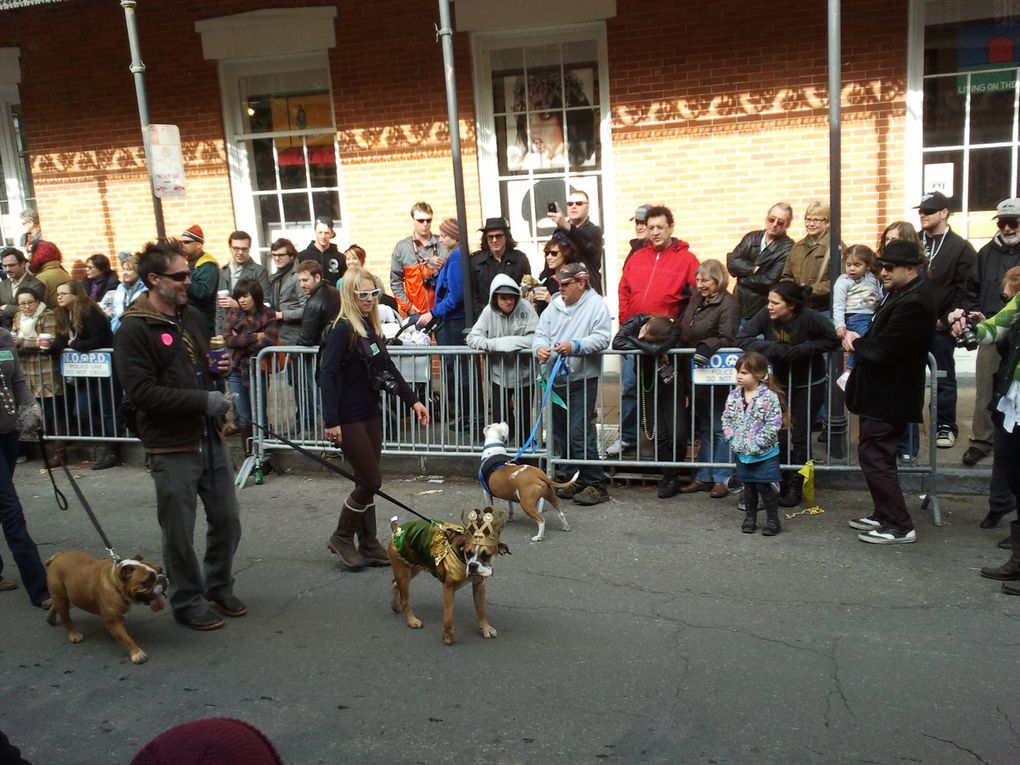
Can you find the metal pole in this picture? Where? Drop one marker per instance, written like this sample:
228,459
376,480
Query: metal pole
838,422
445,33
138,70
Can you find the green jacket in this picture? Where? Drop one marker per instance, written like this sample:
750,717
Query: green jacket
205,280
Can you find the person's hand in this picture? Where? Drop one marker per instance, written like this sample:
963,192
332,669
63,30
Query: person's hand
335,435
543,354
559,218
217,404
260,337
422,413
226,301
223,365
541,293
848,340
957,320
840,332
18,341
565,348
424,319
279,315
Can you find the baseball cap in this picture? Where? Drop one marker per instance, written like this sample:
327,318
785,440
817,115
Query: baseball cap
1008,208
933,200
641,214
571,272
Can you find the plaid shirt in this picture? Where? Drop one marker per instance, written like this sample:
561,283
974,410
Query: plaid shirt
239,332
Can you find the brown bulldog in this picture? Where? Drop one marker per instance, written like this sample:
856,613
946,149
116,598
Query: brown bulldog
106,588
455,555
525,484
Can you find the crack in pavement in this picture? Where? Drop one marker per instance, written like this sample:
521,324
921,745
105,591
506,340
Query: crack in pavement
1012,728
971,752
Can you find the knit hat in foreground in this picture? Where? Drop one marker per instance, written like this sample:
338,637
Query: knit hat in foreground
194,234
450,228
218,740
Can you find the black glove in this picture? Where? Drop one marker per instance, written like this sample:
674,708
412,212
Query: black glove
702,353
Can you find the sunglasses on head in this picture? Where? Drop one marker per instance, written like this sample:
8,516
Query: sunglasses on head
367,294
177,276
1008,223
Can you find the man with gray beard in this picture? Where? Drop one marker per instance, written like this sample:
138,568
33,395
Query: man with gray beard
983,292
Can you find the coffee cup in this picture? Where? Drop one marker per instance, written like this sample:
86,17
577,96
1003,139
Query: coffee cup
44,341
222,295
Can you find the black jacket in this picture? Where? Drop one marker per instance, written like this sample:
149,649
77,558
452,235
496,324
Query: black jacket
167,389
753,285
588,239
320,310
795,349
95,333
983,290
484,268
332,262
887,382
109,280
627,340
948,271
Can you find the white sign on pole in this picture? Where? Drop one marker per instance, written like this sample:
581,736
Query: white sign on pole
167,161
939,177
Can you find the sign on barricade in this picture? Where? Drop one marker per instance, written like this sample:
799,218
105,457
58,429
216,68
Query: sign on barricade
720,370
86,364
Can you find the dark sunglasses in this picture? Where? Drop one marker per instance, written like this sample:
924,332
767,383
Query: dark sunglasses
424,220
575,203
777,221
553,251
1007,223
178,276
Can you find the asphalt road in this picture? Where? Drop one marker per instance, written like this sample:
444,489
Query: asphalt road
653,632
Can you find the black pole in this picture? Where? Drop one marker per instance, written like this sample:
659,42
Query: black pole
838,421
445,33
138,70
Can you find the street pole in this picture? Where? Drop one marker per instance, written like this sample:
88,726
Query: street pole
838,421
138,70
445,33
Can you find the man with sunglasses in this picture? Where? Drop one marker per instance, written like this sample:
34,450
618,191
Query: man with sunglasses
416,263
886,387
585,235
758,261
498,254
161,355
950,258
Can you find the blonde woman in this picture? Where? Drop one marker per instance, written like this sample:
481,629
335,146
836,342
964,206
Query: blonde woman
355,368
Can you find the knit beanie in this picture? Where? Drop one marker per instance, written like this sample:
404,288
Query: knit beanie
216,741
194,234
450,228
43,253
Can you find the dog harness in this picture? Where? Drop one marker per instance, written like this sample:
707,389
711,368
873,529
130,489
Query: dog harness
489,466
426,544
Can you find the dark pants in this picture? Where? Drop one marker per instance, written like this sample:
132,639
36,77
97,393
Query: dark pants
362,447
457,377
512,406
876,454
574,430
670,418
942,347
1004,492
181,478
301,377
804,403
12,519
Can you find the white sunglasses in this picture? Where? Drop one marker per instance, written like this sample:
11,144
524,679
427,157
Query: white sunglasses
366,294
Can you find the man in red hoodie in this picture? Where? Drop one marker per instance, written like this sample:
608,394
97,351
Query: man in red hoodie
656,280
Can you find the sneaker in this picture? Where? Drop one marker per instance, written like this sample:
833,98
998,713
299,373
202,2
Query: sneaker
7,584
618,447
865,524
886,535
907,460
591,495
973,456
945,438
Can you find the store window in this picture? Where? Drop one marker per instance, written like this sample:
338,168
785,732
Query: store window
541,113
971,112
16,192
285,148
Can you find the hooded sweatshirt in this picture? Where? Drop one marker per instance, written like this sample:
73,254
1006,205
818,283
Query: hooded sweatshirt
505,336
587,324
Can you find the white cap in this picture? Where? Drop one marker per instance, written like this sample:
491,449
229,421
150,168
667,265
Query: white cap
1008,208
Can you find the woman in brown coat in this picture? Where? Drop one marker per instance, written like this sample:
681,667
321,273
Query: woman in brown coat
42,370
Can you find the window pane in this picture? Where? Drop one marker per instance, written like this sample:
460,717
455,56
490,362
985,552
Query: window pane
295,210
991,107
582,138
933,173
990,177
322,165
326,205
263,165
943,112
292,168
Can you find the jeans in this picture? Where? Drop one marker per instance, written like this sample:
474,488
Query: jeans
181,478
628,399
573,430
709,402
12,519
859,323
237,381
942,348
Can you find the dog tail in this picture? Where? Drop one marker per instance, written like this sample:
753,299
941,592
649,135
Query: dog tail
393,524
49,560
564,484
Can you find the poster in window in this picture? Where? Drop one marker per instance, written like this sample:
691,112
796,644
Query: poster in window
551,123
527,202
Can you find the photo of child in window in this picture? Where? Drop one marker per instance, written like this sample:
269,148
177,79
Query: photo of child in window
550,132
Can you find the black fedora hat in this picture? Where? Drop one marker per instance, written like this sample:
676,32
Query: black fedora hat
900,252
492,224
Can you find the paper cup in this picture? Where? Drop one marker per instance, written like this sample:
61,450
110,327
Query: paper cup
45,340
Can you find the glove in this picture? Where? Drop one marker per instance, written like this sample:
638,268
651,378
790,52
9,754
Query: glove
217,404
29,419
701,355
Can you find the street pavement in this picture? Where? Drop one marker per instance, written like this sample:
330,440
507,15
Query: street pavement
653,632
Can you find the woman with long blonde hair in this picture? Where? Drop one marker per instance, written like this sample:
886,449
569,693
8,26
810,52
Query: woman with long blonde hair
355,370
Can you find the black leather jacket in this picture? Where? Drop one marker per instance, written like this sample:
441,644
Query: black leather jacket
321,308
756,269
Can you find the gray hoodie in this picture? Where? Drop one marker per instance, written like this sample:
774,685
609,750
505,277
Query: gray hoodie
586,323
505,337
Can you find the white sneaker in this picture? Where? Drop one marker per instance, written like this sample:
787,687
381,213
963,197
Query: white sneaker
884,535
842,380
945,438
618,447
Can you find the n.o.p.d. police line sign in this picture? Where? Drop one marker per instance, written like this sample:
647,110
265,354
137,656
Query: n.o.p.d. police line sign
86,364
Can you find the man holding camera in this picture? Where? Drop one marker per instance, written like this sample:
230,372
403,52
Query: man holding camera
415,264
584,233
886,388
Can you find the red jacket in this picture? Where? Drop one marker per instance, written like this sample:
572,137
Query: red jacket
655,282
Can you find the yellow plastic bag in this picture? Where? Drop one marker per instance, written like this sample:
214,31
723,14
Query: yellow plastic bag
808,471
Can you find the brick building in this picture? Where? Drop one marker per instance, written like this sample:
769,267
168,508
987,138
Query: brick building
288,108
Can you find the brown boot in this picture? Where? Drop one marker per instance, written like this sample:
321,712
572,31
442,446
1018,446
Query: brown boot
342,541
368,544
1010,570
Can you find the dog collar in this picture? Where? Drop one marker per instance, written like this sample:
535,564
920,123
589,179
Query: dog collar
493,445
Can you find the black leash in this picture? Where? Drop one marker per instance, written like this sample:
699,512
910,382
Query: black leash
57,493
81,498
330,466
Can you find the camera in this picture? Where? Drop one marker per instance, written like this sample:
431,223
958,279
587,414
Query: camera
551,207
967,338
385,381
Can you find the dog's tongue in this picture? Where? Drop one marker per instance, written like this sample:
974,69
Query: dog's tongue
158,603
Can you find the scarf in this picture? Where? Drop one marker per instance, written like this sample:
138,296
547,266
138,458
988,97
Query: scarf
26,325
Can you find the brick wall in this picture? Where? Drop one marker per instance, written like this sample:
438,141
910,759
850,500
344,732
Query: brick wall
718,109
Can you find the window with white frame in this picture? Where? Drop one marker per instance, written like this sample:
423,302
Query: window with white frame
16,192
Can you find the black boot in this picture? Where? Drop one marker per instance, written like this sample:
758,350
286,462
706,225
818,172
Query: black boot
342,541
793,493
108,457
669,486
769,499
368,544
749,498
992,518
1010,570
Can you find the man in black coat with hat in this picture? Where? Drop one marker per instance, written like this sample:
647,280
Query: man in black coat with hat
496,256
886,388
